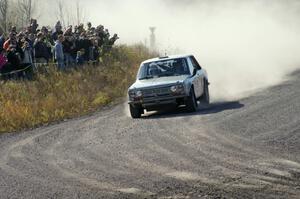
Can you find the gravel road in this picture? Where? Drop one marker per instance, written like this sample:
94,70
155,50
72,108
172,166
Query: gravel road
240,149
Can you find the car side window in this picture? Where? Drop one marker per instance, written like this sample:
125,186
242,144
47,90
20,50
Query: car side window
195,63
190,65
185,67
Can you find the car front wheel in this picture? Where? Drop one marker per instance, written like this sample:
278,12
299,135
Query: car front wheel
135,112
191,102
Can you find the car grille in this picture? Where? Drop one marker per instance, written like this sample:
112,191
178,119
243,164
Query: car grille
157,92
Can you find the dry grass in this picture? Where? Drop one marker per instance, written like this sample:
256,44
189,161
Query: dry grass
55,96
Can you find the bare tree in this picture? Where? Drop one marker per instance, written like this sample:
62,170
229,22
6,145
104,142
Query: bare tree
26,9
14,17
3,15
71,14
62,13
80,16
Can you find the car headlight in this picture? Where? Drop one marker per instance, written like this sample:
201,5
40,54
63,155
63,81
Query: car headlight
174,89
138,93
177,89
131,94
135,94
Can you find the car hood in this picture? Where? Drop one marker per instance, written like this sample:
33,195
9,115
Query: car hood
158,81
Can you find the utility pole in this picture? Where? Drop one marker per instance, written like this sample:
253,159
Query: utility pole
152,39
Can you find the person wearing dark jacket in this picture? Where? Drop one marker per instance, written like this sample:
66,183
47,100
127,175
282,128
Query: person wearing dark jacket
95,53
101,35
85,44
68,47
58,31
41,50
109,43
112,40
13,56
33,26
13,60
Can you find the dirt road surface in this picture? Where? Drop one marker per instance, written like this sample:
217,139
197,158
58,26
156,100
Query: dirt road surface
240,149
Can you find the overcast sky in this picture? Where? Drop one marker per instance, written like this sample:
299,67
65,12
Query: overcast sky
131,18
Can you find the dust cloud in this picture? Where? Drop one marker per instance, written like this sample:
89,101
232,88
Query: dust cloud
244,45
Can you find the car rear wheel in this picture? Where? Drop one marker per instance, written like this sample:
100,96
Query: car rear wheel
191,102
135,112
205,98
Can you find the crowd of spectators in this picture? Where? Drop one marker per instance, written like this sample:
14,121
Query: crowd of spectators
66,48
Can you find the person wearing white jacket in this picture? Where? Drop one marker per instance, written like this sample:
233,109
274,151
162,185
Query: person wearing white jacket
59,53
27,61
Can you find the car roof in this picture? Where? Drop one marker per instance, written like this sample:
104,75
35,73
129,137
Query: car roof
165,58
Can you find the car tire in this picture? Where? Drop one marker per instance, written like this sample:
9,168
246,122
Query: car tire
191,103
135,112
205,98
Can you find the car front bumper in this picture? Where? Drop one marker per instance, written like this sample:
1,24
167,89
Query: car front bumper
157,101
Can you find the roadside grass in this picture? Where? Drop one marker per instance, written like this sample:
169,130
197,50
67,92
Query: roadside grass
55,96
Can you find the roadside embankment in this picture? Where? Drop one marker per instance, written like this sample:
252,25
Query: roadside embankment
55,96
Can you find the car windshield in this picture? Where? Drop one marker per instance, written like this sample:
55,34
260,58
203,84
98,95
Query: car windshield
170,67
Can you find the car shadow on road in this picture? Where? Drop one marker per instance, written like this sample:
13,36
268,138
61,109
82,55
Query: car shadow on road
213,108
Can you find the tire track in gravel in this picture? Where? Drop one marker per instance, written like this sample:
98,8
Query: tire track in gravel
242,149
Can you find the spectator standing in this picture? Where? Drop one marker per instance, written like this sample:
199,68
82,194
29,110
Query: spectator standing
58,31
109,42
68,47
80,29
48,41
12,40
27,56
95,53
85,44
40,50
68,31
106,35
59,52
13,30
13,57
30,38
33,26
100,35
89,26
27,61
112,40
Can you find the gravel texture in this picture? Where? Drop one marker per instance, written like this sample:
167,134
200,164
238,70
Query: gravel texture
241,149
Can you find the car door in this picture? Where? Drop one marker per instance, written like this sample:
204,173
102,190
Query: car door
195,78
199,76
